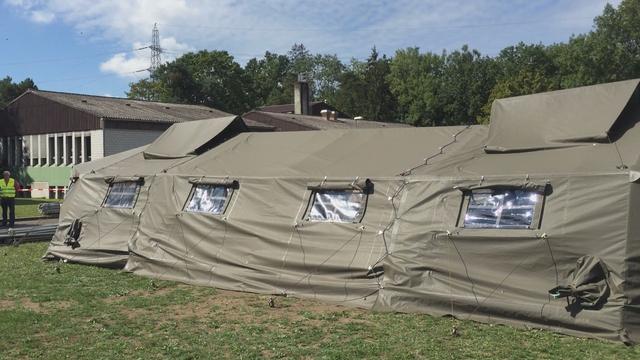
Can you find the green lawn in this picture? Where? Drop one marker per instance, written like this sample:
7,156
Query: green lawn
58,310
29,207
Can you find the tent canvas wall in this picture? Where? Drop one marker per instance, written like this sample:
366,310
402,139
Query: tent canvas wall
262,242
413,249
104,229
531,221
588,225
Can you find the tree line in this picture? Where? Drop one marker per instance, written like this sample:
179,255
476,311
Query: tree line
420,88
412,86
10,90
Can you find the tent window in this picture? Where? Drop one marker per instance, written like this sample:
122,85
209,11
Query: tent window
502,209
208,198
345,206
122,194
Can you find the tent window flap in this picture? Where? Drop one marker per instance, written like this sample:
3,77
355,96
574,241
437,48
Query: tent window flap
122,194
500,208
346,206
208,198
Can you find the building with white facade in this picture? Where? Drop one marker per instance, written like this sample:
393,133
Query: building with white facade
44,133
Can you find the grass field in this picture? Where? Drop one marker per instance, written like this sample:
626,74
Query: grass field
29,207
58,310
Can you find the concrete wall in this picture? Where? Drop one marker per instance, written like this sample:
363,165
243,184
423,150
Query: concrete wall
119,140
97,144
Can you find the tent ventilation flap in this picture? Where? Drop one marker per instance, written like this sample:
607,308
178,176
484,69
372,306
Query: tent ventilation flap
559,119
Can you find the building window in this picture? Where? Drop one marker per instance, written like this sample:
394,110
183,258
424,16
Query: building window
35,148
60,143
4,152
87,148
26,150
345,206
122,194
208,198
42,150
502,209
78,141
52,151
69,150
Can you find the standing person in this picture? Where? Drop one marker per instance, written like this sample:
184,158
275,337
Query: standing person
8,190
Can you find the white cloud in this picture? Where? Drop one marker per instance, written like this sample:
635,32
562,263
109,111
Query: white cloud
171,46
20,3
42,17
126,66
247,28
132,64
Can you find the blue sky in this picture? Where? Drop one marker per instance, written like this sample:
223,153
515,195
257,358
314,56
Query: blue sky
88,46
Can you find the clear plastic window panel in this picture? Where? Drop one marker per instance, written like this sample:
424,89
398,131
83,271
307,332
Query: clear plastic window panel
122,195
208,199
501,209
337,206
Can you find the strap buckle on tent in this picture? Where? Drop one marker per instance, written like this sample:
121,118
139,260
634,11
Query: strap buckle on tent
375,271
353,183
560,292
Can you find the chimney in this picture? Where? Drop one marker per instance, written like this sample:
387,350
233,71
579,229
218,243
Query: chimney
325,114
301,103
334,116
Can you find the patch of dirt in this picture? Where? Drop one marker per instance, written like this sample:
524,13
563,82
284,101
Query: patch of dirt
30,305
134,313
348,320
253,308
118,298
234,308
7,304
38,307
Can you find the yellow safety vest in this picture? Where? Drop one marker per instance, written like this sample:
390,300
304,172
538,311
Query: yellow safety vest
7,189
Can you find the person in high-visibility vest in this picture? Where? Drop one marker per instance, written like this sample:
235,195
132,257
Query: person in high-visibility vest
8,191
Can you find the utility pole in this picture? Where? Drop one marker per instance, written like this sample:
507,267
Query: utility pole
156,50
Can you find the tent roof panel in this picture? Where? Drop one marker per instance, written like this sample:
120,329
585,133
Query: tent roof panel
95,165
183,139
333,153
558,118
579,158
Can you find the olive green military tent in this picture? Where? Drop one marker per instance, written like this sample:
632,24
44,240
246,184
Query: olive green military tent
101,211
533,221
238,217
